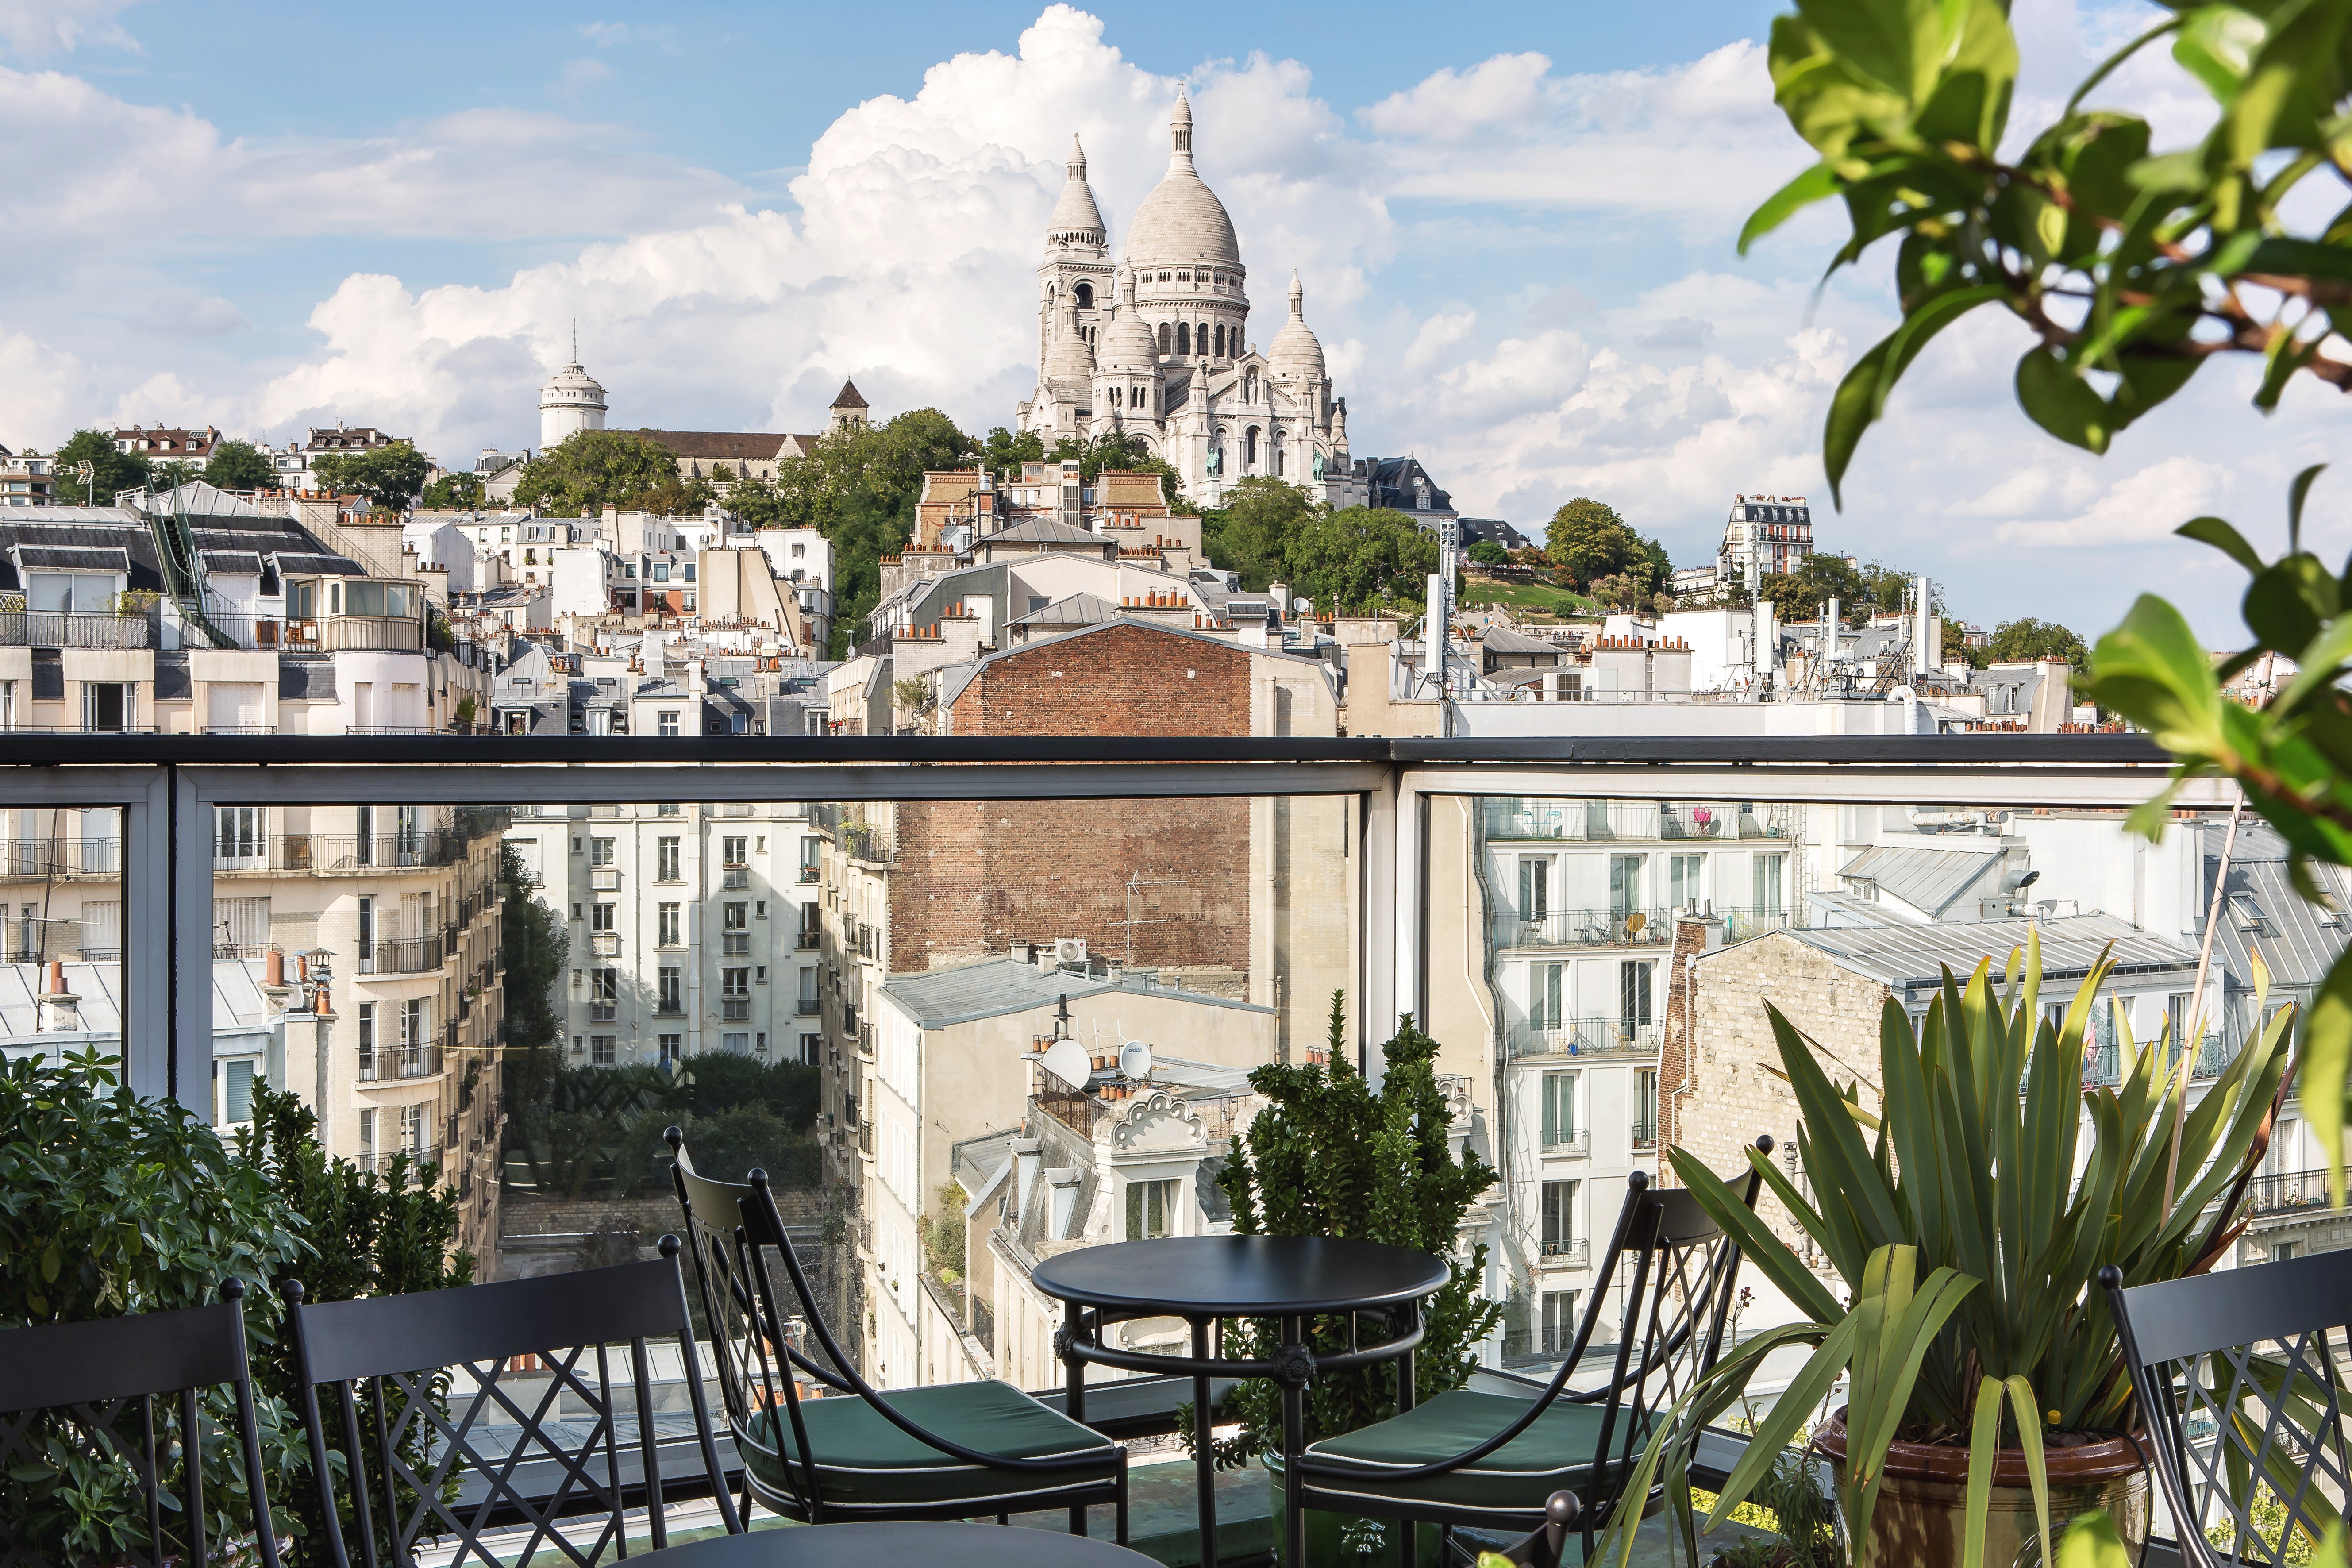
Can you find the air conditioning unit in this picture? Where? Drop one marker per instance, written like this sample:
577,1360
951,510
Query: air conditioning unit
1070,952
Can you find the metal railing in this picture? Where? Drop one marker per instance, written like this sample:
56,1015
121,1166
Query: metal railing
868,843
405,955
242,631
61,858
66,628
390,1064
811,873
1581,1038
1739,924
419,1160
1612,821
1576,1252
807,941
391,634
1646,1134
1573,1140
806,1007
1592,928
341,851
2286,1192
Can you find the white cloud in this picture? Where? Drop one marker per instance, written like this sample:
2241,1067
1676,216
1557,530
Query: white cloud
576,78
175,311
2139,508
35,30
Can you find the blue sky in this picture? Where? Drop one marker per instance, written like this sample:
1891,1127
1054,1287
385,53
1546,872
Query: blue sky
1514,224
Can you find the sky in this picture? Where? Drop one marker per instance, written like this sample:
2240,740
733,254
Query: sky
1514,225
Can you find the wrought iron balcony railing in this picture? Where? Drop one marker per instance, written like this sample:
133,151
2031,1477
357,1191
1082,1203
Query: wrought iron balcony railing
1581,1038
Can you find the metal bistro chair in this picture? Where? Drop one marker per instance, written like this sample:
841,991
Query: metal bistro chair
541,1428
2237,1382
74,1392
955,1450
1559,1461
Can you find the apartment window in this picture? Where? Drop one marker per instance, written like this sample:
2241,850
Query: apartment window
734,851
600,917
810,1046
808,858
236,833
1768,883
666,808
666,860
735,930
367,1138
673,991
1645,1109
412,1129
668,922
1559,1123
600,852
412,1023
1633,994
603,995
1682,873
1534,886
1150,1209
667,721
735,994
736,1045
1625,884
601,1050
1559,1217
1544,988
672,1047
1558,1327
367,1039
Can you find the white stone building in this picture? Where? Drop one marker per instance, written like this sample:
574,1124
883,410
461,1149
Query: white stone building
571,401
1157,346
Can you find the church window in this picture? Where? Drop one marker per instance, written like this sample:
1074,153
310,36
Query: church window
1249,447
1221,341
1183,277
1086,296
1200,337
1164,278
1183,338
1167,338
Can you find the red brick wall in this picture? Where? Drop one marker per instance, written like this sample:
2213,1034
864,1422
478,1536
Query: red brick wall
975,877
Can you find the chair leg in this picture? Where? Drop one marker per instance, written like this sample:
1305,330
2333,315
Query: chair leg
1409,1544
1120,1536
1444,1546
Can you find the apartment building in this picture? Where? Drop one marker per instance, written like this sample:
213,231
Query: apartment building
374,929
693,928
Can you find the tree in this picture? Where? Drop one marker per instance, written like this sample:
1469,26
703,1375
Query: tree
111,470
1251,535
592,469
1588,540
2022,641
452,492
386,477
2129,268
1360,557
239,466
1955,647
1486,552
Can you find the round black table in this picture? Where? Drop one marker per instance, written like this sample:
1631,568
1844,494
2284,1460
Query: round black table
873,1545
1201,1278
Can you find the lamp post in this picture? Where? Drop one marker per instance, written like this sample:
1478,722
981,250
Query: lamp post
318,995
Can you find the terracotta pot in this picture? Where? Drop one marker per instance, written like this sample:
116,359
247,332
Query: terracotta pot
1921,1520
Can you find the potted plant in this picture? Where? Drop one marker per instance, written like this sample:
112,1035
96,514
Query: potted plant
1966,1224
1333,1155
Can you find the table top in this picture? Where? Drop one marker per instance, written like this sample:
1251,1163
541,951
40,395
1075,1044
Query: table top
1240,1276
865,1546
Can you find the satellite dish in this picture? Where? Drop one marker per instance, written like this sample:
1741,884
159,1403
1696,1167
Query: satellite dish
1068,1061
1134,1060
1302,604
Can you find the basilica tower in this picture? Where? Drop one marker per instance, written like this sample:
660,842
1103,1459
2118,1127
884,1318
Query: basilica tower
1076,270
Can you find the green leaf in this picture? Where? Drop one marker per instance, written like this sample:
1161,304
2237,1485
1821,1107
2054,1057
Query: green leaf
2061,401
2217,46
2222,537
2327,1065
2028,1408
1861,397
1816,184
2295,494
1984,1438
2153,670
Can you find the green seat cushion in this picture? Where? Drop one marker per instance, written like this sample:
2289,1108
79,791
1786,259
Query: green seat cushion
1517,1479
863,1462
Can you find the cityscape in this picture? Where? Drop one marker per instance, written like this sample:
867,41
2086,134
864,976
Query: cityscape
1040,789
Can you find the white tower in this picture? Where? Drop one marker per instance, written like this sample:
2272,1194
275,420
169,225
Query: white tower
571,401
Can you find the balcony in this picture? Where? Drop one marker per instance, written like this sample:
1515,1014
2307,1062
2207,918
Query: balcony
1573,1253
42,858
419,1161
807,941
398,1063
2268,1197
1636,821
410,956
1646,1134
604,944
1575,1142
810,874
1582,1037
365,633
339,853
1592,928
807,1007
21,628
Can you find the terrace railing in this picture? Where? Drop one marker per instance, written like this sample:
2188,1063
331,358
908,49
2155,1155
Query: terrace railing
1618,821
46,858
2286,1193
1592,928
387,1065
408,955
340,852
68,628
1581,1038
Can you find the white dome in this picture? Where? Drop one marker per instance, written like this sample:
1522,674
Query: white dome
1126,343
1077,219
1071,357
1296,354
1181,221
572,386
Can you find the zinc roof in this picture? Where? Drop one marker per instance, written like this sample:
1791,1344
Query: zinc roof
1904,955
1928,879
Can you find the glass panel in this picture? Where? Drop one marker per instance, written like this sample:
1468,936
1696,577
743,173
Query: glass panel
61,944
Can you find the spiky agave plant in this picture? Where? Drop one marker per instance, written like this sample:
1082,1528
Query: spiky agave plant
1969,1226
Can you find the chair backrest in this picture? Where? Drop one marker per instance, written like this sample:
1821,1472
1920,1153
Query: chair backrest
2240,1387
96,1406
512,1384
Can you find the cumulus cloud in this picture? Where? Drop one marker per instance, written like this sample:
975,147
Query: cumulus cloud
35,30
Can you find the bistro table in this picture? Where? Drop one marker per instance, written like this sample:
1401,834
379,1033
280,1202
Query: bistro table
888,1545
1202,1278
